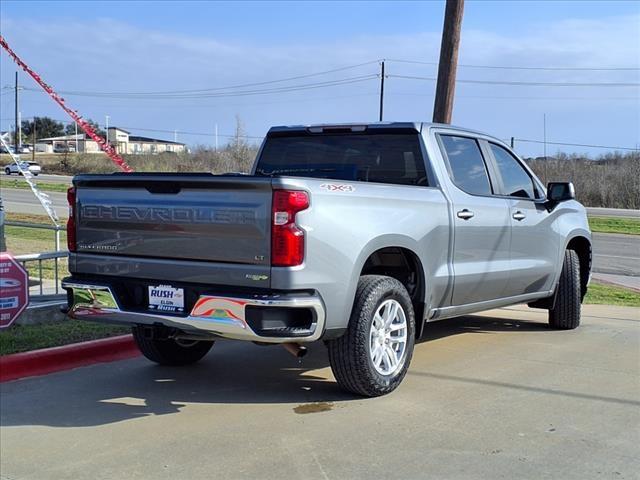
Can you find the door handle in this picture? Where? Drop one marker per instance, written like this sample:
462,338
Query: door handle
519,215
465,214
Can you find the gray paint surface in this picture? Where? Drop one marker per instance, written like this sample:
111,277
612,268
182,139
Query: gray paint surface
60,201
490,260
497,395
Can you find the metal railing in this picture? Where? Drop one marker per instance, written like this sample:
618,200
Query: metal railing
56,229
31,258
40,257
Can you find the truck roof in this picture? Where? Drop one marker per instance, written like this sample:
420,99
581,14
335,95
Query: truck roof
358,127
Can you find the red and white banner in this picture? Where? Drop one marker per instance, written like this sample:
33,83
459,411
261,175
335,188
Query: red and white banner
86,127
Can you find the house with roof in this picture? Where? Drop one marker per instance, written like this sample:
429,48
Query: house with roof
120,139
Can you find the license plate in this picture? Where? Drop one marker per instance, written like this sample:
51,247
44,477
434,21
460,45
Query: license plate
166,298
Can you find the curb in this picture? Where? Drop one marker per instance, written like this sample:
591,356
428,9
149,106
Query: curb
66,357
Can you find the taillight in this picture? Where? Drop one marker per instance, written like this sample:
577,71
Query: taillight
287,239
71,221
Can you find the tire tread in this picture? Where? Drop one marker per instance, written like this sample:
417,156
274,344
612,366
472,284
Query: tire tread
565,314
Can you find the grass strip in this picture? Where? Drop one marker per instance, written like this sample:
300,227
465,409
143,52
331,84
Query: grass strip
604,294
20,184
24,338
629,226
23,240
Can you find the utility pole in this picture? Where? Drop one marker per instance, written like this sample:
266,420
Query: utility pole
19,147
544,134
381,88
33,140
15,130
175,135
216,137
76,135
512,144
445,87
106,122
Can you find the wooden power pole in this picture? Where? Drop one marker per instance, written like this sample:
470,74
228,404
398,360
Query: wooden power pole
445,88
16,130
381,89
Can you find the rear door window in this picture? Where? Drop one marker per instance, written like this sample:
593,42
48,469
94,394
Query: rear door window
466,164
379,157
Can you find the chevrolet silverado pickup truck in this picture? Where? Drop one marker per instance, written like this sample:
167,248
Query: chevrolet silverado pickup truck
357,235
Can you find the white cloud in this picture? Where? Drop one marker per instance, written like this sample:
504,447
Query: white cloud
111,55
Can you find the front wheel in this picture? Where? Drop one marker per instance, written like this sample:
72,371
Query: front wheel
565,314
373,356
171,351
7,171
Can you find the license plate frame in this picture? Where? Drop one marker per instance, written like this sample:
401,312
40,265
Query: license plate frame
165,298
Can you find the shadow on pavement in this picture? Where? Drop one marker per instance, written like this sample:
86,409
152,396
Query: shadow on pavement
233,373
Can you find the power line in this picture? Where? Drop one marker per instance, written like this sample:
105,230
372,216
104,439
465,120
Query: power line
514,97
532,84
576,144
240,93
507,67
229,87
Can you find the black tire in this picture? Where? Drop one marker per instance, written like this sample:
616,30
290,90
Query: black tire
170,351
349,355
7,171
565,314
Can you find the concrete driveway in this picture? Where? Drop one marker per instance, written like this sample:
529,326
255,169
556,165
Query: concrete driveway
497,395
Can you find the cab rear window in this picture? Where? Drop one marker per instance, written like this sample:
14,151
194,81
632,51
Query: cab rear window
381,158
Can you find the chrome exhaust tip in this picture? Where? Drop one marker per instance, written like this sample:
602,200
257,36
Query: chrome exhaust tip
295,349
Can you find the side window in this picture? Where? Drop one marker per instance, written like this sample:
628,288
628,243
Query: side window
516,180
467,168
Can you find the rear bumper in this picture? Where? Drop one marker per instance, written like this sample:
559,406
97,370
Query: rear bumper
219,316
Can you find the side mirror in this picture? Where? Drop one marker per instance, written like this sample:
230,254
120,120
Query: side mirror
559,192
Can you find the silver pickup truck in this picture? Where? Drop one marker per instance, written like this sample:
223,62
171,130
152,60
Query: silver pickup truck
357,235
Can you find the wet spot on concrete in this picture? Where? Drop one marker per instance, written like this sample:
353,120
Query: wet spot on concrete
313,407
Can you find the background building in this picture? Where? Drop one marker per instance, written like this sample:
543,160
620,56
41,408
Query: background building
122,140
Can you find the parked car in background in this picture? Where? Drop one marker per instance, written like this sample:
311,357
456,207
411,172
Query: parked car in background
33,167
61,148
4,149
356,235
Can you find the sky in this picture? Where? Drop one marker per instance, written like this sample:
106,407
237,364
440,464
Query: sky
112,58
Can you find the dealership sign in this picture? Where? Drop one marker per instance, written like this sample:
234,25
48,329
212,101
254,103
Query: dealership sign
14,289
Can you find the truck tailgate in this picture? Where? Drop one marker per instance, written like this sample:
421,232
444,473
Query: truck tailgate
224,219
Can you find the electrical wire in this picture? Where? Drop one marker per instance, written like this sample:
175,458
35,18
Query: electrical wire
229,87
531,84
241,93
507,67
575,144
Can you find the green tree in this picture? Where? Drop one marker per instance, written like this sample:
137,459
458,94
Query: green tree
71,128
45,127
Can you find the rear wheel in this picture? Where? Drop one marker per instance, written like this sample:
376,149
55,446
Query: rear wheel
373,356
171,351
7,171
565,314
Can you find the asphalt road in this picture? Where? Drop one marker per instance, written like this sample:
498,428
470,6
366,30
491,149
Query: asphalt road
616,254
613,212
24,201
42,178
491,396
